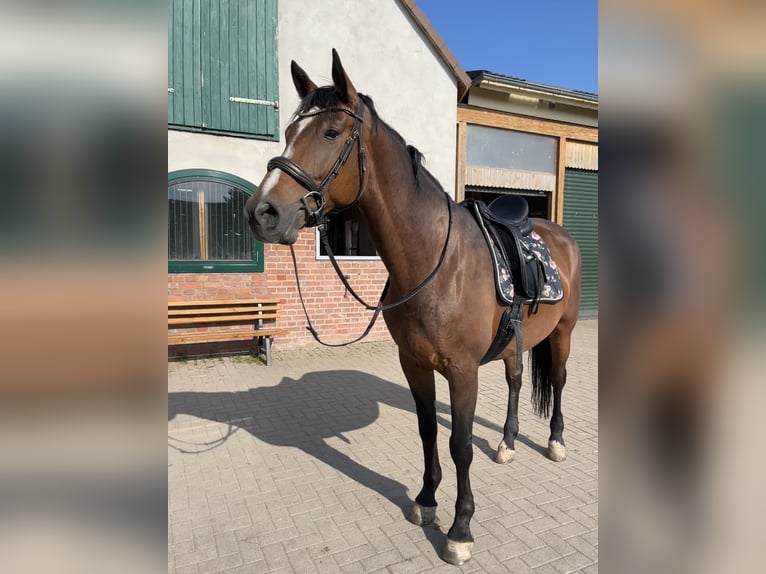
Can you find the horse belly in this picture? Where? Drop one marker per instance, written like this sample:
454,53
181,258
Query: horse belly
445,334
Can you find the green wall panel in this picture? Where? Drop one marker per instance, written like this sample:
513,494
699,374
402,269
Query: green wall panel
581,220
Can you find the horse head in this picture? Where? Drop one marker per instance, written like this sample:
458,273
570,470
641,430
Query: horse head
312,176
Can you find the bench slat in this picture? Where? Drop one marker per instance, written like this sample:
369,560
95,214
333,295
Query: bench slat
213,310
224,335
221,319
175,304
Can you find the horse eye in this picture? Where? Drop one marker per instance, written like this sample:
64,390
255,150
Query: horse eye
331,134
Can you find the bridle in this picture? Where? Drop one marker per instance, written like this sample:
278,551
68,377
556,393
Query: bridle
316,192
315,217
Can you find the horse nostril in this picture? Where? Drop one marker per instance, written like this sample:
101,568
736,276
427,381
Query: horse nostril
266,215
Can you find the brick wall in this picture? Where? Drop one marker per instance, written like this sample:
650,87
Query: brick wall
334,313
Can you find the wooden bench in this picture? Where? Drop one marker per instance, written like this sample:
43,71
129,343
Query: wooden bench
257,314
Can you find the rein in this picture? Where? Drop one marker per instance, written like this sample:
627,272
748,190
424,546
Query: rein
315,218
380,307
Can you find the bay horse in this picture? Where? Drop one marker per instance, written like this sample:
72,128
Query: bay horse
450,322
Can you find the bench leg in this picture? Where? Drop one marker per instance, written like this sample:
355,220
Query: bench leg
267,341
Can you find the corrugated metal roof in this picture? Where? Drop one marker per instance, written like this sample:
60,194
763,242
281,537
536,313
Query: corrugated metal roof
479,76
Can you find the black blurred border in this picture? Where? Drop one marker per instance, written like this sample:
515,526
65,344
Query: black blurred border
681,199
83,155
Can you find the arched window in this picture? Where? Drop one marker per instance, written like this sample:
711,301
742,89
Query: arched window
207,232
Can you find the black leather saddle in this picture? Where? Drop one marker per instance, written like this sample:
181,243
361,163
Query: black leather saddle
504,222
513,211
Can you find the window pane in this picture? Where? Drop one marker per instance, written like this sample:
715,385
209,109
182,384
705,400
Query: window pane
183,223
506,149
228,238
206,222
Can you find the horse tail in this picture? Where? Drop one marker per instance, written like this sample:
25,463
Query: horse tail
542,385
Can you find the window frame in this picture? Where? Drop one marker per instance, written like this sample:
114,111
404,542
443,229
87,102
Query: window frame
216,265
319,257
318,250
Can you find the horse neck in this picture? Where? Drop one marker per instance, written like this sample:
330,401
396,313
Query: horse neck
408,224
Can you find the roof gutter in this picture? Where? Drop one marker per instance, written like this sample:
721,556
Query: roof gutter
560,95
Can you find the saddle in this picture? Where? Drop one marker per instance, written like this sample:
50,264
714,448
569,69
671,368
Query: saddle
505,222
514,246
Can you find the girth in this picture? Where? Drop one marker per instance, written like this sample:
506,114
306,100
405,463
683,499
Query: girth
504,223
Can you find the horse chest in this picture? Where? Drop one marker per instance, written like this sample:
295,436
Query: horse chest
423,340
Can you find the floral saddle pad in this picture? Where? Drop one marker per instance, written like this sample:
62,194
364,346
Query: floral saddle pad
528,254
551,291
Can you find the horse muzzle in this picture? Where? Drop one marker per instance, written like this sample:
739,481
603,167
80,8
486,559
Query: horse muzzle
271,223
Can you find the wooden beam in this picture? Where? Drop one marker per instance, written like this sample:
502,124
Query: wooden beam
469,115
202,225
561,161
460,168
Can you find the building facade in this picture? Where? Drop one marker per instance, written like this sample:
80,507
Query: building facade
230,96
540,142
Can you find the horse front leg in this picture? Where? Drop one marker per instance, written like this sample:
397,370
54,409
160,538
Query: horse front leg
463,389
422,386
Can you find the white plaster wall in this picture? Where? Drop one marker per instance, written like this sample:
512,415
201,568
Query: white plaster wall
386,58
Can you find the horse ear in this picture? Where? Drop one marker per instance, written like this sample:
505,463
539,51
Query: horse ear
301,79
343,85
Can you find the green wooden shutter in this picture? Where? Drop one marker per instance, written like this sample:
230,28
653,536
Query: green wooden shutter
219,50
184,87
581,220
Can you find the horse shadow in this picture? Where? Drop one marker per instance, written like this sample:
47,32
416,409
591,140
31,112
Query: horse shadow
303,413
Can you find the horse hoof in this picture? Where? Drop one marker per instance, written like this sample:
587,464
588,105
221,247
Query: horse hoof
556,451
504,454
422,515
457,553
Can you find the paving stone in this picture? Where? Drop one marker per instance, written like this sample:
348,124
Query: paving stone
325,461
571,563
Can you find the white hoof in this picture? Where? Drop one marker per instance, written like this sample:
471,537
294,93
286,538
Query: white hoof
421,515
556,451
457,553
504,454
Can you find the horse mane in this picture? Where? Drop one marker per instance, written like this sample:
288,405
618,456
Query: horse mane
327,98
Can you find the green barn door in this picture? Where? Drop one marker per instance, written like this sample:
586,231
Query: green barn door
581,220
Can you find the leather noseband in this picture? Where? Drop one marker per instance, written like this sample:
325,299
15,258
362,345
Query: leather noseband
317,192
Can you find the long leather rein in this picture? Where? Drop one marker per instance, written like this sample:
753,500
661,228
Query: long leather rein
315,218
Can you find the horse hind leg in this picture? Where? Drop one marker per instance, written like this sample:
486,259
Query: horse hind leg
506,449
549,376
423,390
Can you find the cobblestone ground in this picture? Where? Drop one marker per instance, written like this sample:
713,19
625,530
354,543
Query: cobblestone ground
310,464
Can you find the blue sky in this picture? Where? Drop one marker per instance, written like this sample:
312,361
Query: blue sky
548,41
